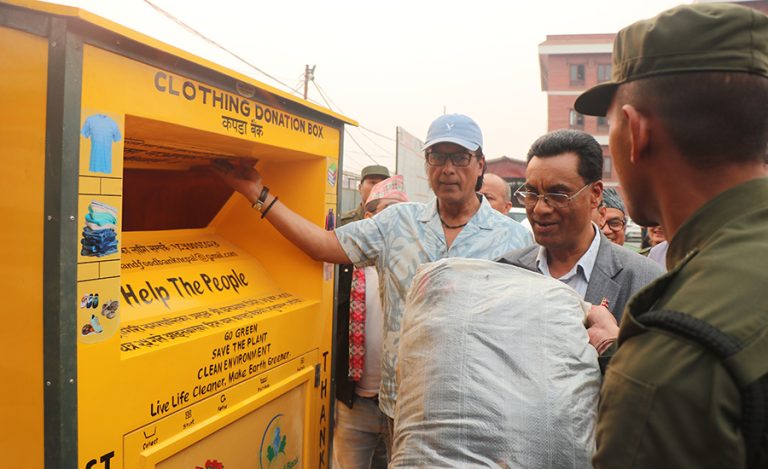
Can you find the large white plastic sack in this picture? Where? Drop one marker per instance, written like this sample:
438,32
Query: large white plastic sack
495,370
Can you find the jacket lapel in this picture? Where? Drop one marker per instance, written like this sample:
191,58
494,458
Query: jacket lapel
602,282
525,257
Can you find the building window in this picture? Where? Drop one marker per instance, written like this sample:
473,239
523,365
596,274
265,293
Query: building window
602,124
577,74
603,72
607,167
575,120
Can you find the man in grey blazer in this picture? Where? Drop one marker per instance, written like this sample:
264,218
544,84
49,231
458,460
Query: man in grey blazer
562,188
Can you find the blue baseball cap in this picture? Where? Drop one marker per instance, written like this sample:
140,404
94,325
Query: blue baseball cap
455,128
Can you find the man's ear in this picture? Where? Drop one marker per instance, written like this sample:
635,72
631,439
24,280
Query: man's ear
639,132
596,193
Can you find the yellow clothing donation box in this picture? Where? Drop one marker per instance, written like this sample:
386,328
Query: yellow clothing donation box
152,318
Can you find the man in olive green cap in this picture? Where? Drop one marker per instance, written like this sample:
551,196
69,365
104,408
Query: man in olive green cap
369,177
688,114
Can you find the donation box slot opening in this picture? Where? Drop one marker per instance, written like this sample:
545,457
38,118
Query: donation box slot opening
167,182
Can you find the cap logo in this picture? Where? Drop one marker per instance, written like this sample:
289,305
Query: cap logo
454,128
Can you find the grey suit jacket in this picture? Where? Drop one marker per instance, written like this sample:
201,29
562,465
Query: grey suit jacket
617,275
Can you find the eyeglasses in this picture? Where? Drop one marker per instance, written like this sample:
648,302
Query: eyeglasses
553,199
459,158
615,224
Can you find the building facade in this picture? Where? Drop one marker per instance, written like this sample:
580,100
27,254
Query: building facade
569,65
572,63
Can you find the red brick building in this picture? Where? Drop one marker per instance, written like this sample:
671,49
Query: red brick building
507,168
511,170
570,64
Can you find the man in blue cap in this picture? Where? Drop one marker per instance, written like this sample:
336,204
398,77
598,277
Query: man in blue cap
459,222
688,382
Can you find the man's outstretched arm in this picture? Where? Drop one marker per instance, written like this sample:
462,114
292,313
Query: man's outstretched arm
317,243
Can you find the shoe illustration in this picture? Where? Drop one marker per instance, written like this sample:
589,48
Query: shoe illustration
110,309
96,325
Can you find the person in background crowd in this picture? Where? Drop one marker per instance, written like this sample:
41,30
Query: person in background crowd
369,177
688,133
615,219
497,192
459,222
657,246
562,188
361,427
654,235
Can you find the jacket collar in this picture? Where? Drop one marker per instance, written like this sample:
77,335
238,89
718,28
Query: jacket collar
697,230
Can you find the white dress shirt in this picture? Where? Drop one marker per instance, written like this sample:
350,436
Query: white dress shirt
578,277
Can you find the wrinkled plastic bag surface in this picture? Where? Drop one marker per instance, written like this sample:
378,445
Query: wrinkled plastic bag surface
495,370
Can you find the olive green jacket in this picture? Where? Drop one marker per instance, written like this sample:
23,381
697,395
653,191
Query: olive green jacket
665,401
351,215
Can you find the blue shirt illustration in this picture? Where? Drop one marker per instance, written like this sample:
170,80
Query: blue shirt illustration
102,130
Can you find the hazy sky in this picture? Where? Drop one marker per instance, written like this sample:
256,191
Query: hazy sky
393,63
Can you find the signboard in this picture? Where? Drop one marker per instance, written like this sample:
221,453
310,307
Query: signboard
410,163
